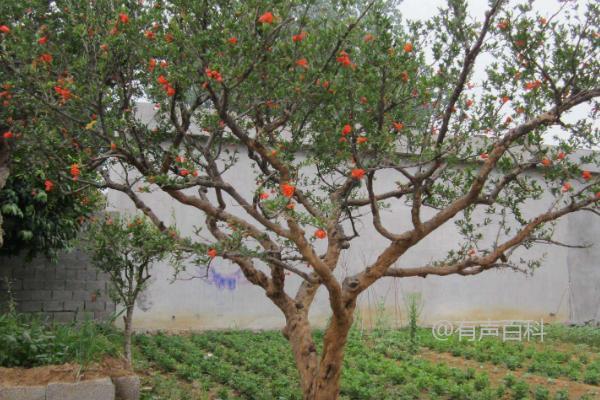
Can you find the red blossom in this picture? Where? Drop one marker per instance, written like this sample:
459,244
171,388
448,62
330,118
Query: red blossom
46,58
358,173
408,47
587,175
151,65
263,195
344,59
213,74
113,146
169,37
302,63
4,29
361,140
484,156
124,18
533,85
48,185
398,126
212,253
561,156
287,190
502,25
75,171
566,187
266,18
232,40
469,103
546,162
346,129
43,40
170,90
64,93
8,135
162,80
299,37
184,172
368,38
320,234
149,35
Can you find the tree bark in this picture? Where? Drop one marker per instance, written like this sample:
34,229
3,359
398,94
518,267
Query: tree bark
128,318
320,379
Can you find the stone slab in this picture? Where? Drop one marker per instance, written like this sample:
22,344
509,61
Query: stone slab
127,387
23,393
96,389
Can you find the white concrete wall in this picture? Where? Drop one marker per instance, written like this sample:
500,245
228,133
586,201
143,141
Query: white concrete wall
226,300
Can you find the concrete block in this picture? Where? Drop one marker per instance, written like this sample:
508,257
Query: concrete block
64,317
30,306
23,393
61,273
97,305
46,274
84,316
75,284
72,305
87,275
71,274
97,389
54,305
34,284
95,285
56,285
127,387
62,295
41,295
81,295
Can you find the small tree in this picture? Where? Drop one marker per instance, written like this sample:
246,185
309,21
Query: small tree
125,249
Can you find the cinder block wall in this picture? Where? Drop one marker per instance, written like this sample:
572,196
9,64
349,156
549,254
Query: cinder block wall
67,290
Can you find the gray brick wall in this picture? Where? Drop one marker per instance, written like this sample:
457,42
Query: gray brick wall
69,289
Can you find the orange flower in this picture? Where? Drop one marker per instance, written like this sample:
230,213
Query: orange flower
151,65
566,187
598,195
212,253
546,162
533,85
64,93
404,76
368,38
344,59
469,103
408,47
299,37
363,100
263,195
213,74
4,29
502,25
43,40
266,18
343,140
484,156
320,234
346,129
303,63
398,126
587,175
149,35
113,146
124,18
184,172
195,172
104,47
361,140
180,159
169,37
232,40
170,90
287,190
75,171
8,135
46,58
561,156
358,173
48,185
162,80
290,206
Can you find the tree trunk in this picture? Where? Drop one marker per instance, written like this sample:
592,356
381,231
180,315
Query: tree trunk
128,318
319,379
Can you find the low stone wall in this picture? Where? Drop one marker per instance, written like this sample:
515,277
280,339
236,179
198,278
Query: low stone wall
67,290
122,388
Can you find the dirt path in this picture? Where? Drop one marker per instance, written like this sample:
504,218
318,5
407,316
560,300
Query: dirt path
497,373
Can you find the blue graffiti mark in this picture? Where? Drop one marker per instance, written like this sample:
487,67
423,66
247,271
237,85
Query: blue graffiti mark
225,281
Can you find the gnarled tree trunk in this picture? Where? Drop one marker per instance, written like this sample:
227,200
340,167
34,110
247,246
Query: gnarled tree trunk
128,320
319,378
